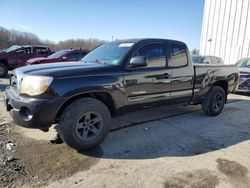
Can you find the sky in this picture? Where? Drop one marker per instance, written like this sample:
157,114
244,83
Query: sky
101,19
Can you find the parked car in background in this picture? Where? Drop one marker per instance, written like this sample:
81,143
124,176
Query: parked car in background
244,82
198,59
16,56
60,56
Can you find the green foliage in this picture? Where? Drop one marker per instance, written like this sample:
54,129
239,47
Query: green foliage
195,52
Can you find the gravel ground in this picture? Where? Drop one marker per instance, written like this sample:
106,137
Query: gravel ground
159,147
12,172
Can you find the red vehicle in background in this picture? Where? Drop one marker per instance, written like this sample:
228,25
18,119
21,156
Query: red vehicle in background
17,56
60,56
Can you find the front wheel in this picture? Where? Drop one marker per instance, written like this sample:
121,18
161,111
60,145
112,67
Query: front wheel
214,102
84,124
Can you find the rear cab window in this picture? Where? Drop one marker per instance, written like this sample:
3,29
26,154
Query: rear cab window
178,56
41,50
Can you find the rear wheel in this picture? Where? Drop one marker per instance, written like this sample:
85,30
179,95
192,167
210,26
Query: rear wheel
3,70
213,104
84,124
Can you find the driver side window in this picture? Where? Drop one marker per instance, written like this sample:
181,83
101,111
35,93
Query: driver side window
21,51
24,51
154,54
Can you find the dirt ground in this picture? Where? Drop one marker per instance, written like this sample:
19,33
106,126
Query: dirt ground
158,147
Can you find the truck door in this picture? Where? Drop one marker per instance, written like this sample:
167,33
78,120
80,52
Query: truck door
152,82
182,72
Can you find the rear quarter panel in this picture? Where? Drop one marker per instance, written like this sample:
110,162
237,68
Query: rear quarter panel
207,75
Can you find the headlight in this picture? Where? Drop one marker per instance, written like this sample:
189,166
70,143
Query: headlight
35,85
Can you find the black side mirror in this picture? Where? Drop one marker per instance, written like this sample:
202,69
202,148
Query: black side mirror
137,61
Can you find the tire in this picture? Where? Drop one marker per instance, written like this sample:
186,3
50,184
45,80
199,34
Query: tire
214,102
84,124
3,70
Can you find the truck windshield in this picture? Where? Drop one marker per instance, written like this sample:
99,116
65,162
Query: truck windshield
197,59
109,53
12,48
58,54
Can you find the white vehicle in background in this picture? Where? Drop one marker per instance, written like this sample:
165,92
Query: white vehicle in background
244,82
210,60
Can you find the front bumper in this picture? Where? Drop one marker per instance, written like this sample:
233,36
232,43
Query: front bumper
31,112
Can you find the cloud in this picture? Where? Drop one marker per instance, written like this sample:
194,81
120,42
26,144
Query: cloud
24,27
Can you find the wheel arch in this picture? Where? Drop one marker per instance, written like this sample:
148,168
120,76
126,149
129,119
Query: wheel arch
224,85
5,62
104,97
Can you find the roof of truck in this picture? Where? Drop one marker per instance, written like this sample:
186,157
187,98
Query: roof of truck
135,40
33,45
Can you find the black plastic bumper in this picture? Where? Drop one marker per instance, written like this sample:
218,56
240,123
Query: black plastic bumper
31,112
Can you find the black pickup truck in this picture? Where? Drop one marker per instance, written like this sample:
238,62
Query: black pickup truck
114,77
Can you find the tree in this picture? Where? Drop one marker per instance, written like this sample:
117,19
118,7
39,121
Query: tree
14,37
195,51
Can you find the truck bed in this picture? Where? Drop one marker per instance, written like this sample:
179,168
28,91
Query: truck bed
206,75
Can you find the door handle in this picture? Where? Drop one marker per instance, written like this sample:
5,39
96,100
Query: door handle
163,76
166,75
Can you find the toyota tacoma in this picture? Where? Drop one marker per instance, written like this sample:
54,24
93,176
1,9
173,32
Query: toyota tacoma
114,77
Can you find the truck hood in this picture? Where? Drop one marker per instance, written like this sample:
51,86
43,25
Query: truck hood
244,70
34,60
60,70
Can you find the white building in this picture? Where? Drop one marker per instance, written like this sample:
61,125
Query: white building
226,29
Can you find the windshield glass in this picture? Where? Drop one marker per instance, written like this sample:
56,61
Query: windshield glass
241,63
109,53
197,59
12,48
58,54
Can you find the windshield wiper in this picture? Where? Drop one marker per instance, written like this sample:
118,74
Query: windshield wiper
95,61
100,62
